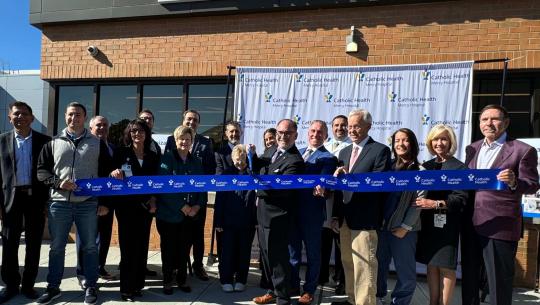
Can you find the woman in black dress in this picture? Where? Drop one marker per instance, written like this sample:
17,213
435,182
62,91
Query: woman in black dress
134,212
438,240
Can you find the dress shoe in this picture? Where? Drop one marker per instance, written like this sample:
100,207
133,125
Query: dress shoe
7,294
103,274
167,289
137,293
201,273
127,297
150,272
340,289
30,293
305,299
265,299
184,288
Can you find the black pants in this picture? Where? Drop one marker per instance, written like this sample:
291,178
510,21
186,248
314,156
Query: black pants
235,254
329,238
499,259
274,241
197,238
134,224
471,263
26,214
174,238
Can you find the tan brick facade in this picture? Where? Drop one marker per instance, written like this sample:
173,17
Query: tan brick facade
399,34
204,46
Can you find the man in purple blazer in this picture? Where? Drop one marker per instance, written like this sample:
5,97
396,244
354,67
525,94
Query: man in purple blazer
496,217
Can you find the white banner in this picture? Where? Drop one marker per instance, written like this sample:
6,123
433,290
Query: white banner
412,96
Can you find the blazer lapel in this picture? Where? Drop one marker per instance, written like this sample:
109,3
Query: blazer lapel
474,157
506,151
347,156
11,149
363,153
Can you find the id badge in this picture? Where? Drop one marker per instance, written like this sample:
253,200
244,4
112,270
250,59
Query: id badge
126,168
439,220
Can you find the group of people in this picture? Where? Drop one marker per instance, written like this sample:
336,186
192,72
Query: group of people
366,230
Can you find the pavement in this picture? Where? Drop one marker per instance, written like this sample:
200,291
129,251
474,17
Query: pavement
208,292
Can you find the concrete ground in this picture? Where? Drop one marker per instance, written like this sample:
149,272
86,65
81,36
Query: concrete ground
203,292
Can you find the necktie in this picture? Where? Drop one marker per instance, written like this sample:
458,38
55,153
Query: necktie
335,146
276,155
306,154
354,156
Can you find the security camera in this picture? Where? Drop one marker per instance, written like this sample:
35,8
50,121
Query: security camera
93,50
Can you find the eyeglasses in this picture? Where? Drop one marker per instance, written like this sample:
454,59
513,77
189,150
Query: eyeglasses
285,133
136,131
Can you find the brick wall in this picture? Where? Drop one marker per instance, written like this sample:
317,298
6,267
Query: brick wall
527,257
204,46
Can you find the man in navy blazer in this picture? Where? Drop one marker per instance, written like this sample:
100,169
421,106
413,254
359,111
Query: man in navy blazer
276,209
201,149
22,202
497,215
359,214
308,222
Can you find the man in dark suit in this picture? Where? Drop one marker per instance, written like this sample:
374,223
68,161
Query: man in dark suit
201,149
22,202
497,215
359,214
308,223
275,211
224,162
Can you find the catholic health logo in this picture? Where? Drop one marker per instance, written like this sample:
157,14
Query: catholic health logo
425,120
297,119
345,102
426,74
268,97
360,76
257,81
391,96
328,97
455,124
315,80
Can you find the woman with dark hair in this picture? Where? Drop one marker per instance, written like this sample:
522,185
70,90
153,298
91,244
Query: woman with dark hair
134,212
442,210
269,138
401,222
177,212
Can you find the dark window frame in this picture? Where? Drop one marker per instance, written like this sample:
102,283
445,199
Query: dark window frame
52,124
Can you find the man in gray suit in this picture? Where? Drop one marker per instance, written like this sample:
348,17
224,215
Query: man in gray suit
497,216
22,202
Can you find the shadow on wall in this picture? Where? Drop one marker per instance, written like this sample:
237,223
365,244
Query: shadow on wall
5,100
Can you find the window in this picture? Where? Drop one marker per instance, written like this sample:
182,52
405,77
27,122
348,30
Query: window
68,94
167,104
209,101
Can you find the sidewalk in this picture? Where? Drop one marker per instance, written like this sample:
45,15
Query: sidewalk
203,292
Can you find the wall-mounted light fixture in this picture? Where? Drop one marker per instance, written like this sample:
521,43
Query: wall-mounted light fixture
350,45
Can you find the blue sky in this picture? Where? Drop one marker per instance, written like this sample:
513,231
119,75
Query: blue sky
19,41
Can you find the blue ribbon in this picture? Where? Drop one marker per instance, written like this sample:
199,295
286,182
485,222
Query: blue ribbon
367,182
